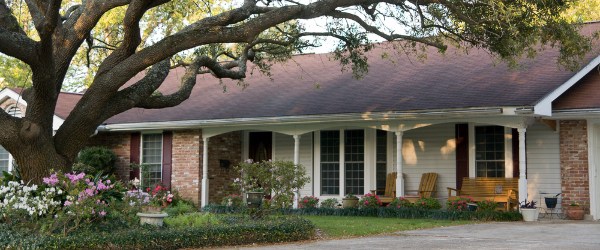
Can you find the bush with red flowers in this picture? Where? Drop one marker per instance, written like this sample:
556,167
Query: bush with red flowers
369,200
308,202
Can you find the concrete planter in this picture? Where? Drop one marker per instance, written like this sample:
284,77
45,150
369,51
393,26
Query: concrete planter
530,214
155,219
349,202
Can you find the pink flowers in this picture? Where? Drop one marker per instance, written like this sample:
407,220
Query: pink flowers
52,180
74,178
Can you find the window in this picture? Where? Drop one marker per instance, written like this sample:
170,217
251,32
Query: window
330,162
5,160
381,158
354,161
151,160
489,151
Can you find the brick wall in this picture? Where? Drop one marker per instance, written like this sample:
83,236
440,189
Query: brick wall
120,144
222,147
574,163
187,159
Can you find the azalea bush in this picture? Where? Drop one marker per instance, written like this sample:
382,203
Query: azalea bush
369,200
279,179
459,203
428,203
308,202
329,203
487,205
400,202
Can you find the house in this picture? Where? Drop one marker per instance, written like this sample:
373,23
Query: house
459,115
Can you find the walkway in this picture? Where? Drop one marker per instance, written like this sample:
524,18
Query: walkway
499,235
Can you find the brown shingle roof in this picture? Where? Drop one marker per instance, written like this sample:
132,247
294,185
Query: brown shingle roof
314,85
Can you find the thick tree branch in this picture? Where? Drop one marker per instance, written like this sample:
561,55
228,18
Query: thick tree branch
8,21
18,46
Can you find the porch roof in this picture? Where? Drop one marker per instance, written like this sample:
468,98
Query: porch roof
314,85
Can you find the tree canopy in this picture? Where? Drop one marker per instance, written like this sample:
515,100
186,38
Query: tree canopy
106,42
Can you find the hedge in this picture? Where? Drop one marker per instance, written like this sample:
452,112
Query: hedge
387,212
284,229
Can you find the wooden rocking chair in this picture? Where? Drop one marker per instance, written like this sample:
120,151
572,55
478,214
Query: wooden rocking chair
390,188
426,187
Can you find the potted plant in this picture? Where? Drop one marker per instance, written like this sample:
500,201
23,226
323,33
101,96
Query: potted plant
254,198
350,201
529,211
574,211
157,199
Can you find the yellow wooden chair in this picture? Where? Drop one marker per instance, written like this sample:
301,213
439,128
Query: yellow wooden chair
427,187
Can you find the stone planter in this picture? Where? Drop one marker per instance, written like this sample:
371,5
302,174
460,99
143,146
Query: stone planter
575,213
530,214
155,219
254,199
349,202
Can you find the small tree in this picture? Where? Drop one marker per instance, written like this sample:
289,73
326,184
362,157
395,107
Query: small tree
278,178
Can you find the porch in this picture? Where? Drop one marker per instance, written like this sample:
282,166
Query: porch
354,157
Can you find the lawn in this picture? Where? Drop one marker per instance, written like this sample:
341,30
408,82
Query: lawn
343,227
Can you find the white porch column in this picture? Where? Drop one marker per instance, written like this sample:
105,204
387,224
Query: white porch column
399,176
522,166
296,162
204,192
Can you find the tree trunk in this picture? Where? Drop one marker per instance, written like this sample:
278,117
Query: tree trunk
36,162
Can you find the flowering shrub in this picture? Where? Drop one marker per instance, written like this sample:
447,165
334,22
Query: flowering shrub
428,203
487,205
458,203
68,200
277,178
400,202
369,200
308,202
329,203
232,200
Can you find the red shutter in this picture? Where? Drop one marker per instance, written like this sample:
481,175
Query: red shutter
134,155
167,158
461,132
515,152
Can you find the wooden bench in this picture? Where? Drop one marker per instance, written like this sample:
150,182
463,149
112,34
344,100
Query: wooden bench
501,190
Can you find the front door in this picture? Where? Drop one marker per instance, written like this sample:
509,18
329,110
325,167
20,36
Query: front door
260,146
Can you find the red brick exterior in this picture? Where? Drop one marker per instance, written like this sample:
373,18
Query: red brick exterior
187,154
222,147
119,143
574,163
186,176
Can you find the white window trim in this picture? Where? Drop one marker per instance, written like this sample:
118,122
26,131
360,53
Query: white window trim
11,161
508,161
142,152
369,161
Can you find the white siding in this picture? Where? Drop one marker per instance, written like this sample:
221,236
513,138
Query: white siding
283,149
543,162
429,149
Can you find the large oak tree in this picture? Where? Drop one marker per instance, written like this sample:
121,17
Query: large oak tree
208,36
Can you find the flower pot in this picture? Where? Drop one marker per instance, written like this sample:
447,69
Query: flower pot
349,202
530,214
155,219
575,213
550,202
254,199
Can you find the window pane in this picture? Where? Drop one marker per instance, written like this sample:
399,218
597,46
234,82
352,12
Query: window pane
489,151
330,162
4,159
354,165
151,160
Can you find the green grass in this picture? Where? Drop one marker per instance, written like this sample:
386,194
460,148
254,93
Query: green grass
344,227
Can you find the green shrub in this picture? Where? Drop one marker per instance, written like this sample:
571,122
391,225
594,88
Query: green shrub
329,203
369,200
100,158
486,205
181,207
81,167
270,230
428,203
233,200
400,202
191,220
308,202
